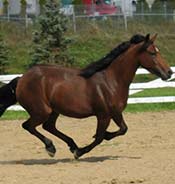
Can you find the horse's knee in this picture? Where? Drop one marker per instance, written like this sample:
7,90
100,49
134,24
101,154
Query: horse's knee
30,126
26,125
50,123
46,126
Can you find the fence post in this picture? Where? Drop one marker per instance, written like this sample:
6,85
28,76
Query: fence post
125,21
74,21
8,13
6,9
165,9
26,20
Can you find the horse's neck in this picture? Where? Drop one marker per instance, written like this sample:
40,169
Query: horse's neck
124,68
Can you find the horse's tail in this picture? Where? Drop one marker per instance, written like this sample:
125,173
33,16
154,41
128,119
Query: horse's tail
8,95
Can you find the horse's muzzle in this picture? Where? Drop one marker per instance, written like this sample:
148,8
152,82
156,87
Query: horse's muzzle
166,75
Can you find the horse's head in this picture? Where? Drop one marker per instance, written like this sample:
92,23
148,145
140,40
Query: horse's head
151,59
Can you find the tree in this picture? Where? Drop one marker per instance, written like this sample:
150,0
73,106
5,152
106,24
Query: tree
42,3
4,60
23,7
50,43
5,7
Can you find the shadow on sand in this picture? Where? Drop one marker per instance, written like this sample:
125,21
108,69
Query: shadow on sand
65,160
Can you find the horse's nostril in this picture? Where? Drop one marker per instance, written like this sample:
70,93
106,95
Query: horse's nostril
170,72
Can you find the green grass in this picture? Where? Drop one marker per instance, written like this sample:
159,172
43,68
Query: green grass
147,107
14,115
154,106
144,78
155,92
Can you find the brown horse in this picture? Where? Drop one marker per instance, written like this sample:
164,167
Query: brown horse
101,90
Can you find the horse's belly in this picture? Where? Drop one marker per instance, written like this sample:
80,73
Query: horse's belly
78,107
72,110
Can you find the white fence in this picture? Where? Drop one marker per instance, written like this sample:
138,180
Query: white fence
157,83
134,88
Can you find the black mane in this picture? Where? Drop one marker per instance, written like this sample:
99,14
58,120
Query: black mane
107,60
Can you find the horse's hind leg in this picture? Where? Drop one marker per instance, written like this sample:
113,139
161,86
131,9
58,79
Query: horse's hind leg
102,125
49,125
30,125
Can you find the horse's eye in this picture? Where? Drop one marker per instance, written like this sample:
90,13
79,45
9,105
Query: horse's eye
152,53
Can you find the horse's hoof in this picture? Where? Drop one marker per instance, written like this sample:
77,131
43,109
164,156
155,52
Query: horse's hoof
51,151
76,155
72,150
51,154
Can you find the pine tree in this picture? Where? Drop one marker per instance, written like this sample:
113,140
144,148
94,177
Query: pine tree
42,3
23,7
4,60
5,7
50,43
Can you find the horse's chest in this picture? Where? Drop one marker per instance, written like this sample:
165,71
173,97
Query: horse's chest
110,99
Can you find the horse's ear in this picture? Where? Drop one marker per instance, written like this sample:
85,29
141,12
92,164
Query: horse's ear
146,43
147,37
154,37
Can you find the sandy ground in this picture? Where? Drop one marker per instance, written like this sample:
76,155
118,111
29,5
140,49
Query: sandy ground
146,154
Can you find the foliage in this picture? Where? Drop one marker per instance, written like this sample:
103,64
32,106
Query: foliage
4,60
5,2
78,2
50,43
23,7
41,2
5,7
23,2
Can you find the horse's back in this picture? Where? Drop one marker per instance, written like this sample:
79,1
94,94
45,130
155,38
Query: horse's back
36,76
37,84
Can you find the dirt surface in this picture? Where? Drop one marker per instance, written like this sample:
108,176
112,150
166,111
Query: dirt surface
146,154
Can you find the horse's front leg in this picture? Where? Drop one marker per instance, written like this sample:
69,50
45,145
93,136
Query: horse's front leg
118,119
102,125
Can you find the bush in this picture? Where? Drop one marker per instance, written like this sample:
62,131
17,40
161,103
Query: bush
50,43
4,51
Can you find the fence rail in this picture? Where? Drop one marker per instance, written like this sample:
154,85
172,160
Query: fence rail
134,88
125,13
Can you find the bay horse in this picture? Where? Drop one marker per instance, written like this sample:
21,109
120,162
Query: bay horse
101,90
